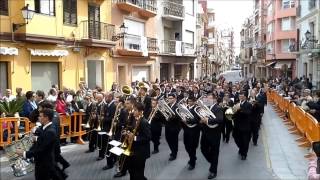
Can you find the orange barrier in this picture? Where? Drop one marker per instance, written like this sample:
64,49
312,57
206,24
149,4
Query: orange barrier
303,123
9,129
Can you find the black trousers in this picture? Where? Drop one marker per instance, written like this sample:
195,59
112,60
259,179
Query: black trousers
255,127
47,172
102,142
156,129
226,130
136,168
59,158
92,135
172,137
242,139
191,141
210,146
124,165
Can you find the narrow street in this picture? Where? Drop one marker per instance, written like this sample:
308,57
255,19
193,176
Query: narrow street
277,156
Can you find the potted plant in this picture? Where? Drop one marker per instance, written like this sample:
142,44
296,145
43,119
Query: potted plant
12,107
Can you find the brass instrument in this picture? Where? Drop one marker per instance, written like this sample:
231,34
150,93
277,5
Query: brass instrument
127,144
165,109
114,124
91,117
229,113
184,113
126,90
153,113
204,113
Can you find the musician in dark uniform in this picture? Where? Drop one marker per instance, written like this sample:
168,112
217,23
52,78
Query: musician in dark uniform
109,112
100,121
159,93
226,126
211,136
145,100
140,145
242,126
191,135
180,93
195,92
156,125
234,95
172,128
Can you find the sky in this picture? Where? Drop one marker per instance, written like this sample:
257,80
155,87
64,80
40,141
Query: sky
231,14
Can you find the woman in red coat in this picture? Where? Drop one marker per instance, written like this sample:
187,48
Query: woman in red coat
61,104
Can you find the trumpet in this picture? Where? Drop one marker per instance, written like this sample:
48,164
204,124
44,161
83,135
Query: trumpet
204,113
184,113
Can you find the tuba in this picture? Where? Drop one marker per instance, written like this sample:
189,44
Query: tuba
184,113
126,91
165,109
204,112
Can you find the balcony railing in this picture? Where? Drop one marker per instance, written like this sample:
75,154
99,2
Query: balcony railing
152,44
173,9
130,42
96,30
171,47
150,5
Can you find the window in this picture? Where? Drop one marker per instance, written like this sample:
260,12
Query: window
4,7
285,45
189,7
311,27
210,34
70,12
270,28
287,24
3,77
312,4
189,37
134,27
45,7
269,48
288,4
270,9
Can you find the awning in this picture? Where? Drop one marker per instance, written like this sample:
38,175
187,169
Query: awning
44,52
280,64
271,64
8,51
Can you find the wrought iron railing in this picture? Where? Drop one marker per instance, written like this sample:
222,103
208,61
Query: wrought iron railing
173,9
130,42
170,47
134,2
152,44
150,5
96,30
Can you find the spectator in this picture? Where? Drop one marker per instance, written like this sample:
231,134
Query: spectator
29,105
61,105
20,94
8,96
52,95
40,96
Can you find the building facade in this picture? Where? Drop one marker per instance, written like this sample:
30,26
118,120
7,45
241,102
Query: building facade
308,48
176,31
281,35
134,57
65,42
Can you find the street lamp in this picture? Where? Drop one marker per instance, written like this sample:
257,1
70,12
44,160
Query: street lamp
27,16
123,31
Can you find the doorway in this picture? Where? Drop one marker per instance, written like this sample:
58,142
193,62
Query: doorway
95,73
122,80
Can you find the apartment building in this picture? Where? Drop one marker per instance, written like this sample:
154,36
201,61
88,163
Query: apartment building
308,47
176,31
281,35
59,42
134,56
246,48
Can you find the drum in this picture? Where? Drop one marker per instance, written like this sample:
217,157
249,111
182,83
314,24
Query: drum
101,139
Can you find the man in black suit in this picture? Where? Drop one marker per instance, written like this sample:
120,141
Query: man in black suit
234,95
109,112
242,125
156,125
195,92
210,139
191,135
44,148
145,100
227,125
140,145
99,120
172,128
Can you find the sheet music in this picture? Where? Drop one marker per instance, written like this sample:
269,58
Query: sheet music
116,150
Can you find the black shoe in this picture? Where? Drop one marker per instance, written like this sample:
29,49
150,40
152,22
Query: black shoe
191,167
243,158
89,151
119,174
107,167
99,158
172,158
155,151
65,166
212,175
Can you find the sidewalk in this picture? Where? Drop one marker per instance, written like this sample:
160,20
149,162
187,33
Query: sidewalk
286,158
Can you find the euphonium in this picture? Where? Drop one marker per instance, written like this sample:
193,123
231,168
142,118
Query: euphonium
204,112
184,113
165,109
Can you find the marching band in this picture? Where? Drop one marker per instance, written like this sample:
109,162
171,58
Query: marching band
134,117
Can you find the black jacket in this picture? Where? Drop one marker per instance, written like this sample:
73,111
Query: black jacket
218,112
174,120
196,118
235,97
109,111
43,149
147,106
141,145
242,118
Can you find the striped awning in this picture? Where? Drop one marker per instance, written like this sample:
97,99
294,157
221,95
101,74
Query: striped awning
44,52
8,51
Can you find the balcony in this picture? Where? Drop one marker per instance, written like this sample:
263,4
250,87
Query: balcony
96,34
177,48
129,5
199,21
149,8
173,11
134,45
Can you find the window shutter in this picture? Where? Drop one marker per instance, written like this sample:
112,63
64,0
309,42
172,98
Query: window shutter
4,7
37,6
73,12
66,11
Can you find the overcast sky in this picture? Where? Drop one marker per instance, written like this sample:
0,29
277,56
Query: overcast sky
232,14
